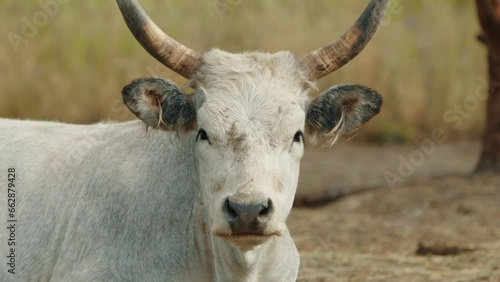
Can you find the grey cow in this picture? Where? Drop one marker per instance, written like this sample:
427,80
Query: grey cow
202,195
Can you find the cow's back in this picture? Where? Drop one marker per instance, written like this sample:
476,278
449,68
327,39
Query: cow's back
102,202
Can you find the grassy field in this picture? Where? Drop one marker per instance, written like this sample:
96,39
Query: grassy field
70,62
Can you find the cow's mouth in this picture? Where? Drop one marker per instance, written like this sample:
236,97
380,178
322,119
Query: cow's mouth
247,239
249,236
244,234
235,235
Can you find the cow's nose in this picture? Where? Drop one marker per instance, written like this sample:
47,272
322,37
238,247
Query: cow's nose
247,217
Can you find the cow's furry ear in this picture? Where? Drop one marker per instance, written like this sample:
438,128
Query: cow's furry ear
340,111
160,104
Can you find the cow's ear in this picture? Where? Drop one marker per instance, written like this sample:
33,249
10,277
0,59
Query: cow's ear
340,111
160,104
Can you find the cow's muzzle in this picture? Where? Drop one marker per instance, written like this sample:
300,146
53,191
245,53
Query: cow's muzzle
247,218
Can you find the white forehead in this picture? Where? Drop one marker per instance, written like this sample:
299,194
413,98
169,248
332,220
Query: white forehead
251,91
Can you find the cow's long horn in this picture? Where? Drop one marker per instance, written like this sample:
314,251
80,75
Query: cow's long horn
164,48
339,52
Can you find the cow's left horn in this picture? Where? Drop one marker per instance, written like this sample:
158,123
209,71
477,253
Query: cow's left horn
338,53
164,48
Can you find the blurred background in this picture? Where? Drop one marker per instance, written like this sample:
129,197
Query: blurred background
71,68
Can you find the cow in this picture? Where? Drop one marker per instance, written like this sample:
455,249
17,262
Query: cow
199,188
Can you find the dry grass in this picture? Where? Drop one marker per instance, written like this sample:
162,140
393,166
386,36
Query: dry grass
424,60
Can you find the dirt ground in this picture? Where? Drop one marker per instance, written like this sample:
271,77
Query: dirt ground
439,225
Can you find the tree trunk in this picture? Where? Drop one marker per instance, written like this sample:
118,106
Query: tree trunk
489,18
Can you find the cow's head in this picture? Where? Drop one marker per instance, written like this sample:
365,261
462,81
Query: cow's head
251,114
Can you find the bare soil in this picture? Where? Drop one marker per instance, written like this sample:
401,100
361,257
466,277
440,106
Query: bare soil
441,224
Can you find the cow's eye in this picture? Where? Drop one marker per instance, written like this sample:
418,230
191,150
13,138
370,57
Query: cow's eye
202,135
298,136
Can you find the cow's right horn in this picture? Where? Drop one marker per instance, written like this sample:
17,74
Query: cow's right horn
164,48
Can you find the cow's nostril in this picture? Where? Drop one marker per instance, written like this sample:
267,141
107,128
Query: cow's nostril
264,211
266,208
230,213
